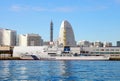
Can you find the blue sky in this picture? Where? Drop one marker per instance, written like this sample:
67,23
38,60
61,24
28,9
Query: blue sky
91,19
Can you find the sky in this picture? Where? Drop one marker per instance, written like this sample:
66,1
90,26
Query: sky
92,20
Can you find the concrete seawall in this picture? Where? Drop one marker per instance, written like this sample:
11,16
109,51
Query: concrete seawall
17,58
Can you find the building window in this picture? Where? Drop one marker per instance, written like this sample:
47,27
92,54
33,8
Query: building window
112,50
102,49
107,53
94,50
97,52
97,49
107,49
117,50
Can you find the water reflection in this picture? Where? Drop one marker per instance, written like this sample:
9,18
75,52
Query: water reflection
68,70
23,70
4,70
59,70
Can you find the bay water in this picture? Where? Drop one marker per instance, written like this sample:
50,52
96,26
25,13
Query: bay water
38,70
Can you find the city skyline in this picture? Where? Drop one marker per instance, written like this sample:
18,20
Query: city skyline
91,19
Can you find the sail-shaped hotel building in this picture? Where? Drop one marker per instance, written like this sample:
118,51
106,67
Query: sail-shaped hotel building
66,34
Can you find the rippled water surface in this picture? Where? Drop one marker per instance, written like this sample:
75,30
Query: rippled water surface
59,70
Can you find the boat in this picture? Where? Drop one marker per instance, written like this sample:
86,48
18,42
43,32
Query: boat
64,54
67,55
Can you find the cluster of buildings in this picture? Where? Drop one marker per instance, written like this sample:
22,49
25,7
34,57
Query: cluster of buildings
33,42
10,38
85,43
66,38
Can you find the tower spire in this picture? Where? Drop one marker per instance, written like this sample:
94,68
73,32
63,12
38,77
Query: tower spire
51,31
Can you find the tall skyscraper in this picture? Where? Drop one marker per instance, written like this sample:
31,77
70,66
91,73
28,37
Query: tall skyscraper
30,40
8,37
51,31
66,34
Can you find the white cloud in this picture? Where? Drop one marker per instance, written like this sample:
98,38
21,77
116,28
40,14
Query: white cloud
18,8
65,9
15,8
58,9
40,9
117,1
93,8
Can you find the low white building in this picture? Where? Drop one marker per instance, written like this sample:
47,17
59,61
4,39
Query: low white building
98,44
84,43
107,44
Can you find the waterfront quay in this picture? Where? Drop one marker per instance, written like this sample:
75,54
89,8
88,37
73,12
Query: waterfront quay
14,53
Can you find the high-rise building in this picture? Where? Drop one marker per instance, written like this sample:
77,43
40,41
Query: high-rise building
118,43
30,40
66,34
7,37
